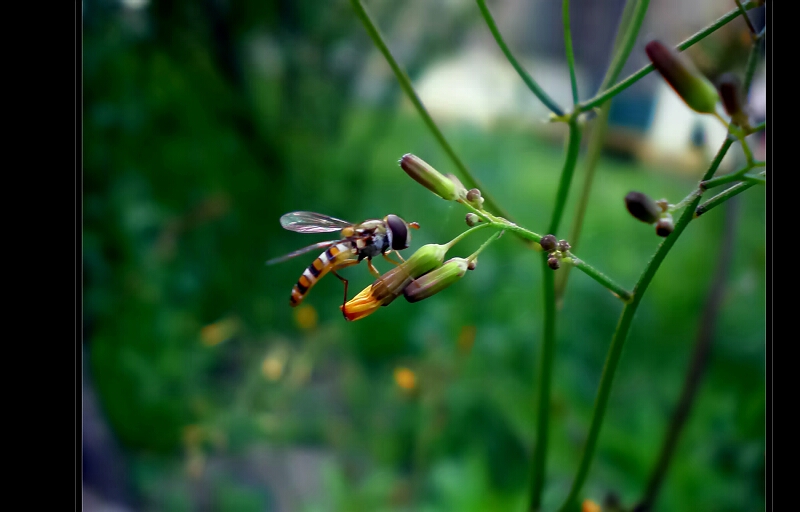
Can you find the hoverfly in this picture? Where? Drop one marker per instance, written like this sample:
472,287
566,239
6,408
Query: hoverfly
358,241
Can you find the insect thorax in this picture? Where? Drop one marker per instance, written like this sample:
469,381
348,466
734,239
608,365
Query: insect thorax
373,246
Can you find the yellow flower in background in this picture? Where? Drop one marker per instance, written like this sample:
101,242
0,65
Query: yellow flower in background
306,317
405,378
590,506
219,331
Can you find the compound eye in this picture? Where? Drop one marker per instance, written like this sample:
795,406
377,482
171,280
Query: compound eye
400,235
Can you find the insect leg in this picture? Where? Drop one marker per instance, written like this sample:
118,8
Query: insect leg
390,260
343,264
372,269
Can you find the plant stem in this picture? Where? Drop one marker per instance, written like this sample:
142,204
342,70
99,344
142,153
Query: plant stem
568,49
465,234
573,148
500,223
724,196
699,361
543,386
529,81
405,83
621,334
623,294
598,133
746,17
485,244
627,42
632,79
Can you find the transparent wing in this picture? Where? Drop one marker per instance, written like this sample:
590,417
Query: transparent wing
317,246
310,222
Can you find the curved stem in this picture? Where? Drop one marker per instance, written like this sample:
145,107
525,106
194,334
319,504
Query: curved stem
484,245
699,363
573,148
543,386
626,44
724,196
568,49
632,79
405,83
530,82
465,234
621,335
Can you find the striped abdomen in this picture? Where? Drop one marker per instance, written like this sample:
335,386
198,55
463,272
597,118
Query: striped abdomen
331,259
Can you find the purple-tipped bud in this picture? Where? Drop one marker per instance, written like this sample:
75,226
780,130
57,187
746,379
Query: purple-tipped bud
642,207
472,264
683,77
665,225
553,263
474,198
730,90
429,177
548,242
472,219
436,280
563,246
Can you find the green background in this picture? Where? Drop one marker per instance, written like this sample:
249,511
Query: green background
191,154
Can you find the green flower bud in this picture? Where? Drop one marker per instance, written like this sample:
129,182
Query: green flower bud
642,207
548,242
437,280
391,284
429,177
472,219
683,77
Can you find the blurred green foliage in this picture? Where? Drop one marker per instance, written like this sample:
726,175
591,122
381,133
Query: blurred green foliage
191,153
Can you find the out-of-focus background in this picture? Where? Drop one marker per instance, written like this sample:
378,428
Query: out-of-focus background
203,390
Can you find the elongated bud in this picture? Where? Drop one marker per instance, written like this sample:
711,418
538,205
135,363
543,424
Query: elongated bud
437,280
683,77
472,219
429,177
642,207
730,90
391,284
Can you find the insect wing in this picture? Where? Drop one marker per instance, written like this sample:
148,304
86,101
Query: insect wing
317,246
310,222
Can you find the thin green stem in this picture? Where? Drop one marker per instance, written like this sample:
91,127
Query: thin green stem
545,375
596,140
485,244
529,81
620,292
757,128
750,67
405,84
632,79
746,17
627,42
573,148
465,234
724,196
726,178
621,334
568,48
